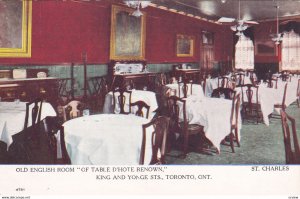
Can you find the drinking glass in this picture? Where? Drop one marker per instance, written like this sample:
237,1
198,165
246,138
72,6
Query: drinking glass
86,112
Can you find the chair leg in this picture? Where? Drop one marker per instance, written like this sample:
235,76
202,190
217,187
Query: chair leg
185,144
231,142
298,103
237,137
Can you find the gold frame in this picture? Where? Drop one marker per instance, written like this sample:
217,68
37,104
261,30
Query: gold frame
113,56
191,43
25,51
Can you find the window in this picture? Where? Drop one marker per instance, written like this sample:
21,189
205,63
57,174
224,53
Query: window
291,51
244,53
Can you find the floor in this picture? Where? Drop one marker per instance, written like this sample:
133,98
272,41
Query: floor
260,144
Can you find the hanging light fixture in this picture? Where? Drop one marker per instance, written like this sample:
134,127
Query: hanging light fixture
277,38
240,26
137,5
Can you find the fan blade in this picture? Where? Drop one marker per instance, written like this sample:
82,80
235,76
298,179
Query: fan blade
291,20
251,22
226,20
233,28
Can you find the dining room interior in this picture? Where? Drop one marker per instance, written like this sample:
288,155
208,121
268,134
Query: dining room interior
175,82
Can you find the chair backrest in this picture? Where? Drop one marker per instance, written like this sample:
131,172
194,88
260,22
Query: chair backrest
184,87
235,109
158,140
285,77
240,79
249,91
202,82
119,98
72,110
223,82
272,82
36,112
140,105
292,153
298,89
284,96
174,111
38,144
221,92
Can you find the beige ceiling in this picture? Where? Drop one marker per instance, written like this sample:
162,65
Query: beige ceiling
250,9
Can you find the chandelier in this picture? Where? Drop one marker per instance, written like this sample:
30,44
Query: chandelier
277,38
137,5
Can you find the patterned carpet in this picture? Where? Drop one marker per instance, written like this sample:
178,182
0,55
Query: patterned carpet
260,144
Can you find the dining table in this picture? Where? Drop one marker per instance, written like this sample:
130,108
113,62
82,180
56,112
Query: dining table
148,97
106,139
211,113
268,97
12,117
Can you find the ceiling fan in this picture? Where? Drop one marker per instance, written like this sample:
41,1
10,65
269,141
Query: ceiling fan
240,24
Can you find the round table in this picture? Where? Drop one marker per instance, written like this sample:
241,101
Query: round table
106,139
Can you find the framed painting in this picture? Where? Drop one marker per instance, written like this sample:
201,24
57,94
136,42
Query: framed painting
127,39
185,45
265,48
15,28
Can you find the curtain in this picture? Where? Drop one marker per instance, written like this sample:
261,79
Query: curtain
244,53
291,51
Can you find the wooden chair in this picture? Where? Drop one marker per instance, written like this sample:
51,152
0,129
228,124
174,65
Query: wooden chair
97,93
181,124
250,103
282,105
221,92
158,140
292,153
72,110
272,82
65,93
119,99
53,126
234,116
38,144
184,87
240,79
223,82
140,105
285,77
298,93
36,112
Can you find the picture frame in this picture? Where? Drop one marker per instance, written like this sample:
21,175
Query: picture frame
265,47
185,45
15,29
128,33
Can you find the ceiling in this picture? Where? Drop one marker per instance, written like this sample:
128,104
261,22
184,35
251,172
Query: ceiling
250,9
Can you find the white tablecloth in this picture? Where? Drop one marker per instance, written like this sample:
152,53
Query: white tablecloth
268,97
210,85
291,93
173,89
148,97
106,139
12,118
213,114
